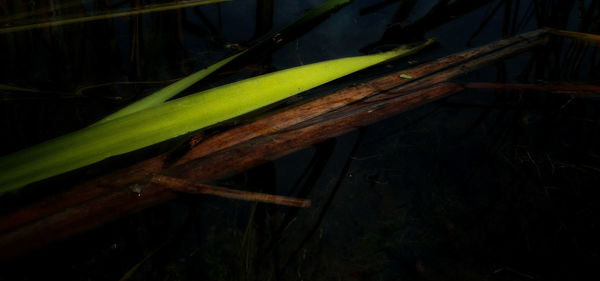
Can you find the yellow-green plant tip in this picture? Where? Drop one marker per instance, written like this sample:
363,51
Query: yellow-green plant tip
172,119
168,92
177,87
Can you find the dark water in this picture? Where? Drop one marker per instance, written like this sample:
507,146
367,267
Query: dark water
484,185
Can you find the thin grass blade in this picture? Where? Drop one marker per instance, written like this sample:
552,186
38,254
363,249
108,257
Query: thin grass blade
150,9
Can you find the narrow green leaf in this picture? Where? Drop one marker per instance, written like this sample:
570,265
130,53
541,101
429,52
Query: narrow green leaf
173,118
168,92
312,17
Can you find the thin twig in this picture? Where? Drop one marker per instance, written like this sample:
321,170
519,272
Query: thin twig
200,188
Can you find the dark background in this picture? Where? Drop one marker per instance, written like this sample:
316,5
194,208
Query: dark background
484,185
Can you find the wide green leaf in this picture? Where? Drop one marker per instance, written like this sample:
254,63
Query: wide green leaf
173,118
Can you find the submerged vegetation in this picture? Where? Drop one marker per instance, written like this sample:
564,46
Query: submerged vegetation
496,183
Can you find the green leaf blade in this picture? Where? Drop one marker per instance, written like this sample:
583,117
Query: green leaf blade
170,91
172,119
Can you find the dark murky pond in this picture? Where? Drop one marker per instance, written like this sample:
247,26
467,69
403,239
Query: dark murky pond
487,184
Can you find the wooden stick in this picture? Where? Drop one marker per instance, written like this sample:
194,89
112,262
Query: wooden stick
120,201
284,119
199,188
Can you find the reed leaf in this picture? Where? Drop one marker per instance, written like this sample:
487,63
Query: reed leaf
311,17
170,91
174,118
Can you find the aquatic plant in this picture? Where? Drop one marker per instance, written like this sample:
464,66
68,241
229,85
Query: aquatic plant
174,118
